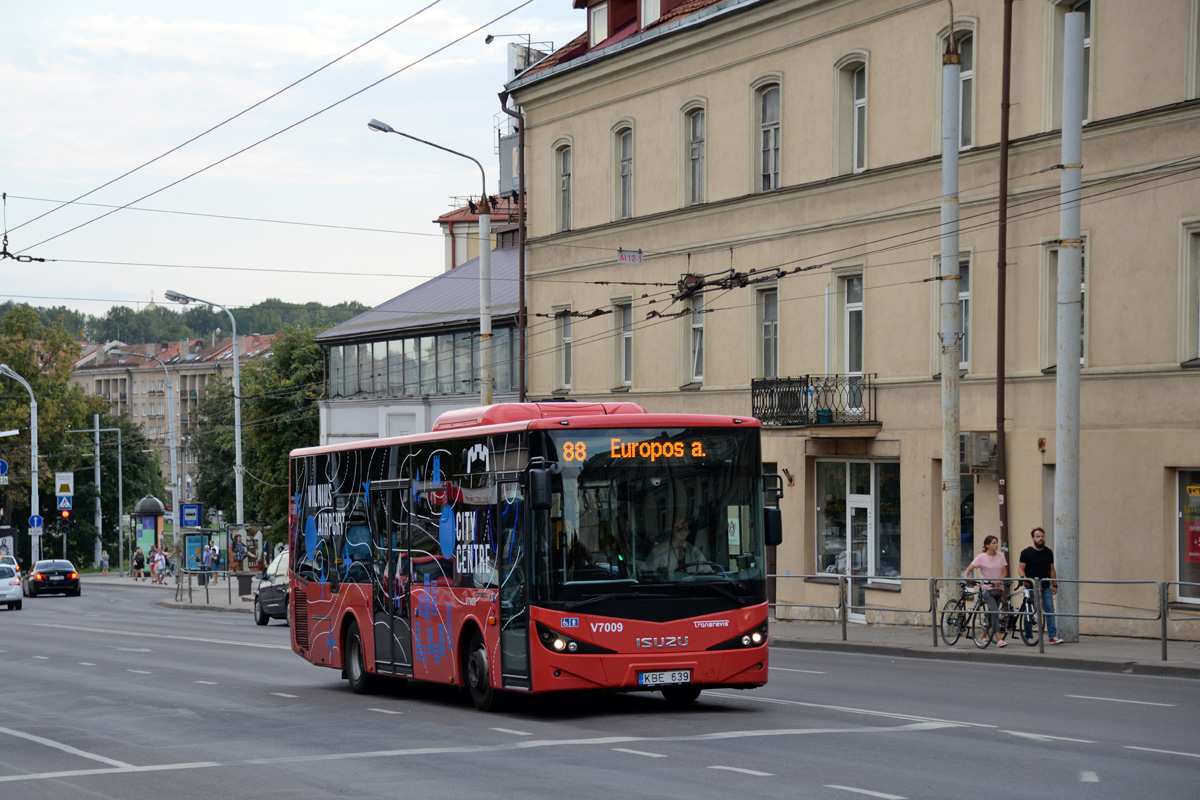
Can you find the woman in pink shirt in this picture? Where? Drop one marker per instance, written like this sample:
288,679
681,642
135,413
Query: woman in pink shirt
991,564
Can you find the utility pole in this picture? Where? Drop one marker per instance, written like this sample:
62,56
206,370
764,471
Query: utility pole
120,486
97,517
1070,314
950,339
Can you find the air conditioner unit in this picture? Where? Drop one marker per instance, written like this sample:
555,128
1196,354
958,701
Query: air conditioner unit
976,452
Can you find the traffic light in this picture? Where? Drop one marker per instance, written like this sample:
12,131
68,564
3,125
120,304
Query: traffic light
64,519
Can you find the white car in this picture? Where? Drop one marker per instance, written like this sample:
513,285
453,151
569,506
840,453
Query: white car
10,587
9,561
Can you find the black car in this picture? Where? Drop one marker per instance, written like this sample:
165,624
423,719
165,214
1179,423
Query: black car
51,577
271,595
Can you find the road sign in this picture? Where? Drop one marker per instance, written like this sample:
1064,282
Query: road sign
191,515
3,467
64,483
64,503
35,521
3,480
35,532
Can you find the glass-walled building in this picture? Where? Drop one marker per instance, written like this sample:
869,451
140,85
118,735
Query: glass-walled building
392,370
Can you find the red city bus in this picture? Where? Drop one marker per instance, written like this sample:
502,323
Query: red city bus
538,547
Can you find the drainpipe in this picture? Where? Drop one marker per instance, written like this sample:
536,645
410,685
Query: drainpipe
1002,278
520,118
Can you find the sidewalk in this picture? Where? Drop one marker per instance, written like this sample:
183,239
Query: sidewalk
1093,653
221,597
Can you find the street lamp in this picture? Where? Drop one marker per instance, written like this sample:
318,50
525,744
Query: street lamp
120,488
184,299
174,422
5,369
485,266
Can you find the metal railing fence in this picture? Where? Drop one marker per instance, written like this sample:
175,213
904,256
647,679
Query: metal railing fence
843,607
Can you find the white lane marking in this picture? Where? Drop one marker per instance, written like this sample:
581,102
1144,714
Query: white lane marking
747,771
510,730
86,664
77,773
1041,737
849,710
284,694
1088,777
785,669
458,750
1119,700
141,635
383,710
66,748
134,649
42,658
638,752
867,792
140,671
206,683
1168,752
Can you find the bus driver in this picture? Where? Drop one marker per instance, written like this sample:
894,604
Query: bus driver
677,556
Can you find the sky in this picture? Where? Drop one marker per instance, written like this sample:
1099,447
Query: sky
92,91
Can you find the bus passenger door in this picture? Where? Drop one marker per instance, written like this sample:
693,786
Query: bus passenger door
513,568
390,607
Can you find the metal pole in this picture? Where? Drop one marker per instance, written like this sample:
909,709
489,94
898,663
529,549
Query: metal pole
950,339
5,369
485,301
98,517
1002,277
1070,254
120,501
520,118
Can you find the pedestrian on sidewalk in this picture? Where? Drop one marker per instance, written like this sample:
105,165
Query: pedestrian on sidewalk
216,562
160,566
1037,561
139,564
239,553
991,563
153,559
103,562
206,565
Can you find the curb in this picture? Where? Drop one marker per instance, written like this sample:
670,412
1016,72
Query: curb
180,606
1162,670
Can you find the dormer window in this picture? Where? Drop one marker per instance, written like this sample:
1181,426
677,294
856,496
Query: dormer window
598,24
651,11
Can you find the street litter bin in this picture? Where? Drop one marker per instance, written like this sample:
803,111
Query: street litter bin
245,583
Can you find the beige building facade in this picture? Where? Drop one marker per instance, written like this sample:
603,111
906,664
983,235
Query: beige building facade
775,168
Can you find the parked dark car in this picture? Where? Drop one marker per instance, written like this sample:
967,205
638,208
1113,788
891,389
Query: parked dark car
51,577
271,594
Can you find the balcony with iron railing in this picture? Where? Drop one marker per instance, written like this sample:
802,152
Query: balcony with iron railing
815,400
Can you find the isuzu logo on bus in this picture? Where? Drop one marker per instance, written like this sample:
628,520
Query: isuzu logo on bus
660,641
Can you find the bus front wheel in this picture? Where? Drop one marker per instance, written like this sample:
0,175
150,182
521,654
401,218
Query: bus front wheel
479,682
356,670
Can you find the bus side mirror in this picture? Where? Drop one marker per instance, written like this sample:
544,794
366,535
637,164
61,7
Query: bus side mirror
772,526
540,489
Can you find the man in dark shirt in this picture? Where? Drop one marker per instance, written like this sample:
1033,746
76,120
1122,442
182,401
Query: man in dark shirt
1038,562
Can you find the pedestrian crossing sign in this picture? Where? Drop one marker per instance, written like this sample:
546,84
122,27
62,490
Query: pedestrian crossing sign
64,503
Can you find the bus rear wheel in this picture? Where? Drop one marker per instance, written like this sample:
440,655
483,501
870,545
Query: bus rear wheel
680,695
361,681
478,678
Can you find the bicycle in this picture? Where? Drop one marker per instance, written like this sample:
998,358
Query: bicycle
1021,616
956,619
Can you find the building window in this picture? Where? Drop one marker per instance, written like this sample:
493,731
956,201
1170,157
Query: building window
565,339
1189,295
852,287
562,168
769,316
964,311
1188,515
695,173
624,315
1049,337
1054,47
624,176
651,11
697,339
336,373
769,133
598,24
850,114
966,91
858,520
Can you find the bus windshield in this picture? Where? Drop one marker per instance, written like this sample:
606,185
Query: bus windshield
652,512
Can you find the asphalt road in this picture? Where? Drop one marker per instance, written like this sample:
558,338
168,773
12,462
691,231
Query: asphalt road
107,695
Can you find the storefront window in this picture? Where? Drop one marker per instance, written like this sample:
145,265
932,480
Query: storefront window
887,520
831,516
1189,533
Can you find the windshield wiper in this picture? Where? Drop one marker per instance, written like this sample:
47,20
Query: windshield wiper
587,601
740,599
